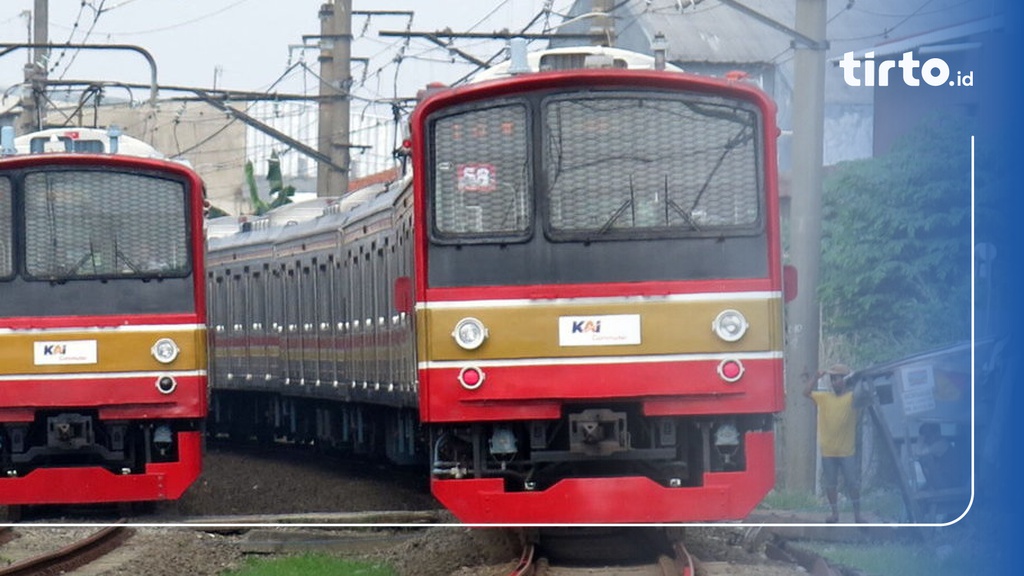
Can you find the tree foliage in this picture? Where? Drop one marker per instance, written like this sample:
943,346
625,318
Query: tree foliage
279,193
896,254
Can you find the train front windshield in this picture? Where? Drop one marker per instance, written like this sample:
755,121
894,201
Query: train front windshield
628,165
95,242
82,224
654,181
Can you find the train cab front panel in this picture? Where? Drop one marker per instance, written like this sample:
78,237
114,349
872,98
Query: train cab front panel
599,304
103,351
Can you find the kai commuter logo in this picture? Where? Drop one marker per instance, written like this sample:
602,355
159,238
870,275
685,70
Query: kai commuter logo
55,353
600,330
933,72
586,327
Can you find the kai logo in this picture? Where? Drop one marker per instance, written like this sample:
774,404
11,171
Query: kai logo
60,352
586,327
602,330
55,349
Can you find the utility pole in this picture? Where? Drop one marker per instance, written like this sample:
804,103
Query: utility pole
803,318
335,83
33,112
803,314
602,28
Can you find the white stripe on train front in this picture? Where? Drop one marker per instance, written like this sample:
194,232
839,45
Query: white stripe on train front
603,360
603,300
107,329
101,375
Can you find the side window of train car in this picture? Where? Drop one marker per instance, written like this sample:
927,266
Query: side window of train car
482,176
6,230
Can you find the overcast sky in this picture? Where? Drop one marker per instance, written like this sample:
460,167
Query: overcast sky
245,43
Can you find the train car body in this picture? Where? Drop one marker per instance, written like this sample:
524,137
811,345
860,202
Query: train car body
575,308
103,389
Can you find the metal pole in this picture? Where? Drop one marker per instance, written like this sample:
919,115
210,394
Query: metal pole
799,445
154,87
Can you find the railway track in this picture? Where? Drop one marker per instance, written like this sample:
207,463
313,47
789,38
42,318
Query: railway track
530,565
423,551
564,557
72,556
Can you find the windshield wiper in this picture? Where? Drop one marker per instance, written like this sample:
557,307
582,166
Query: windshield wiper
741,138
629,203
686,216
118,254
90,255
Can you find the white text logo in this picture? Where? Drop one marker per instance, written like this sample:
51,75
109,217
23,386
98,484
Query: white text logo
867,72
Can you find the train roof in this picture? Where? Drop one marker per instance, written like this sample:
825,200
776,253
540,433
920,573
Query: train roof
302,218
84,140
575,57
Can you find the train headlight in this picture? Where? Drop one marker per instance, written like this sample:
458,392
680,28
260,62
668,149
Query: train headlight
730,325
470,333
165,350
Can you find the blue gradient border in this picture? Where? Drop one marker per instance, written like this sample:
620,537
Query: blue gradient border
999,463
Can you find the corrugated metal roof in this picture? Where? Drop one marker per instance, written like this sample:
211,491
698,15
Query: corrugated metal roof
713,32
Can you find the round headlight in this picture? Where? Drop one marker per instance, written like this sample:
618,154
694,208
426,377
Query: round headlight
469,333
730,325
165,350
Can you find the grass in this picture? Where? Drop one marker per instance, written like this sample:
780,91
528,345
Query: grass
899,559
885,506
310,565
790,500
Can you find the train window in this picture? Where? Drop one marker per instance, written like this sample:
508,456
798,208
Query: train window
482,176
81,224
625,165
55,143
323,295
6,230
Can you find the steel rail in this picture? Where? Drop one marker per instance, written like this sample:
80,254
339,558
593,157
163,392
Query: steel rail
75,554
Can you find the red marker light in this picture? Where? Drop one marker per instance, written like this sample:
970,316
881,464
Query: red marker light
471,377
730,370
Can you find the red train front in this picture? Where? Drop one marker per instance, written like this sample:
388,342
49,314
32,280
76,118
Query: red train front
102,324
598,296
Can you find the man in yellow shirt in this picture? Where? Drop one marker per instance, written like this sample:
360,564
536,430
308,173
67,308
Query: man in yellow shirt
837,438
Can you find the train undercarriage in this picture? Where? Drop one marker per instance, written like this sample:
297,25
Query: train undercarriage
603,441
699,463
63,438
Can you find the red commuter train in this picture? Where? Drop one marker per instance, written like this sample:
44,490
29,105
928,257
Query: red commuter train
103,390
571,309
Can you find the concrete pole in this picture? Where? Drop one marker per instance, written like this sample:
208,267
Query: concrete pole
803,320
32,112
335,82
602,28
327,92
340,150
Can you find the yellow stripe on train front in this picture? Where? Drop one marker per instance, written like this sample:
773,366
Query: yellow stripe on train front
99,350
631,327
